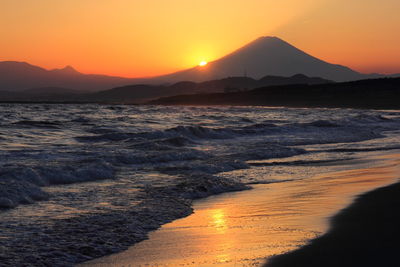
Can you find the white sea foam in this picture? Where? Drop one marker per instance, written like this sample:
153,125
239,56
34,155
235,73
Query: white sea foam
53,149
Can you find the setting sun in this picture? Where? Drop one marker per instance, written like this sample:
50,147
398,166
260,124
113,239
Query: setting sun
203,63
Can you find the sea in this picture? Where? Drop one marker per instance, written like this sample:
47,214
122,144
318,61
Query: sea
80,181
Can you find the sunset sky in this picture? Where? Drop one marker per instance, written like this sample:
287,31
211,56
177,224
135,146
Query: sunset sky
150,37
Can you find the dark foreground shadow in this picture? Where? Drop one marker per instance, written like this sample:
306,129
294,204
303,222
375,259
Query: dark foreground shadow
367,233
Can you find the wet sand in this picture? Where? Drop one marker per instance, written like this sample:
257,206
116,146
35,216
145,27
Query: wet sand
367,233
244,228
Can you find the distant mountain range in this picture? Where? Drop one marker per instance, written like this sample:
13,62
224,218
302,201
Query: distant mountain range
19,76
264,56
143,92
383,93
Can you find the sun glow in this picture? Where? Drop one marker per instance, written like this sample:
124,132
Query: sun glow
203,63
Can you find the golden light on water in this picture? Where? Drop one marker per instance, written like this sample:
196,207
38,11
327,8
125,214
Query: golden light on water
218,220
244,228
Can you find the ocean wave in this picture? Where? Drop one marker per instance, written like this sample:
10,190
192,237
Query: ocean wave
209,166
300,162
157,160
199,185
190,132
268,151
22,185
366,118
158,157
322,123
179,150
178,141
346,130
39,124
15,192
363,149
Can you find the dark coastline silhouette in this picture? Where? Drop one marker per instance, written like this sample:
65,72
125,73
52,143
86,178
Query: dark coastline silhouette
375,94
364,234
144,92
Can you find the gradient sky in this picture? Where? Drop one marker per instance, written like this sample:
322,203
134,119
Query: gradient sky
150,37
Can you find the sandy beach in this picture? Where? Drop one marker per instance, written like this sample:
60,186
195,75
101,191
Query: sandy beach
246,228
364,234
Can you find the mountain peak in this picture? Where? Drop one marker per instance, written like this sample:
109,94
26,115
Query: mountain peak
269,38
268,43
66,70
268,55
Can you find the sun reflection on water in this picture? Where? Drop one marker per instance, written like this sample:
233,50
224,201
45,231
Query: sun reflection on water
218,220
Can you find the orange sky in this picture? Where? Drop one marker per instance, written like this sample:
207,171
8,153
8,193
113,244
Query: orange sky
150,37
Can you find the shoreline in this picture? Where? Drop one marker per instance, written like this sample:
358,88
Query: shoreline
231,228
366,233
278,105
74,240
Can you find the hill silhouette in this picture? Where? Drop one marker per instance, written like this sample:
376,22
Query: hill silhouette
140,93
381,93
19,76
295,91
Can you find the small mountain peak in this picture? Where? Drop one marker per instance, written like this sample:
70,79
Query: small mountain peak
268,41
299,76
67,70
268,38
